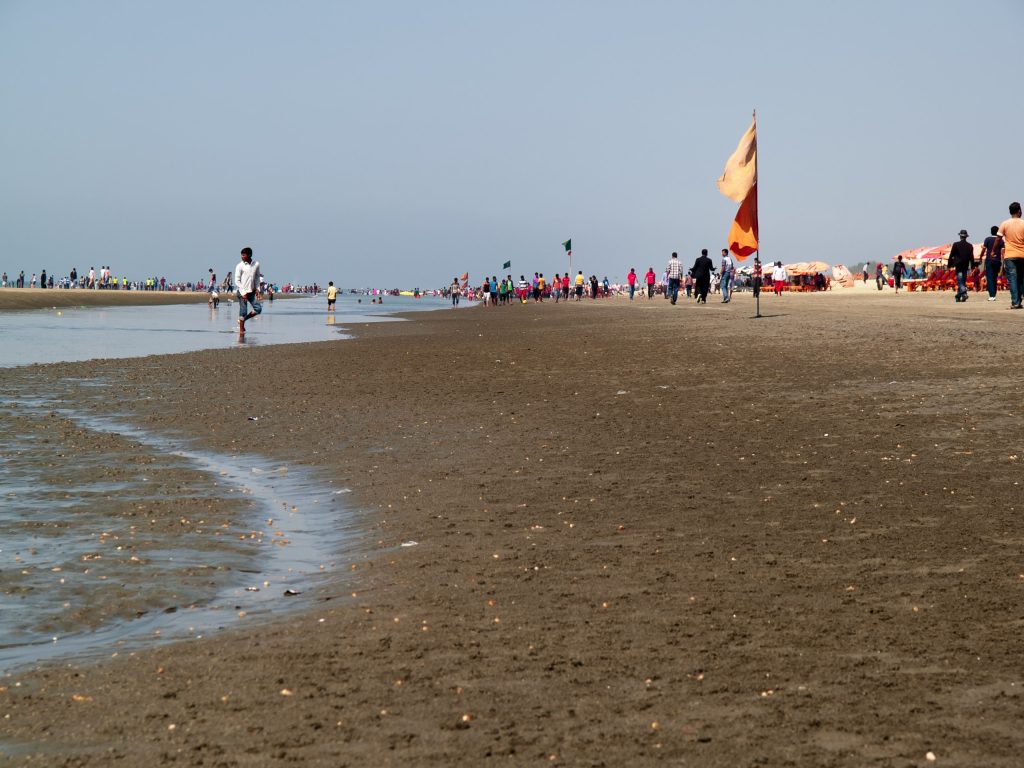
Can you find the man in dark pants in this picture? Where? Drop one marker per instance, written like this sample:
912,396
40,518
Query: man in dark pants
702,276
961,259
993,254
1011,235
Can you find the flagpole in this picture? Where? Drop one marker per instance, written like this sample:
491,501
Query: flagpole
757,253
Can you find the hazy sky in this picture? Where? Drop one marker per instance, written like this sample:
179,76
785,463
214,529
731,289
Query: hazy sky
401,143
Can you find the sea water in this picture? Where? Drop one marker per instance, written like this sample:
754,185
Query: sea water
83,574
86,333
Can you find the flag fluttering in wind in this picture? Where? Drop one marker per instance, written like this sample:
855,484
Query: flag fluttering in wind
507,265
465,279
739,183
568,246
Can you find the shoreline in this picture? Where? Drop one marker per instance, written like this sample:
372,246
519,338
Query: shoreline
50,298
47,298
728,548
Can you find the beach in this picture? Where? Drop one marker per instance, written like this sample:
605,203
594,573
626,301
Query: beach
607,533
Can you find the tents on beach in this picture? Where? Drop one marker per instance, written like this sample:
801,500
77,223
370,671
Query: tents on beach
933,254
807,268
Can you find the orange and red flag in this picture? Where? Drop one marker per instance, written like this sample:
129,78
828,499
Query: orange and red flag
739,182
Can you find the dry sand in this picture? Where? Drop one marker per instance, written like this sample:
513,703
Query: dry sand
647,535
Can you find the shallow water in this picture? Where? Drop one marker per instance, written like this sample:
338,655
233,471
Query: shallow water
87,333
83,573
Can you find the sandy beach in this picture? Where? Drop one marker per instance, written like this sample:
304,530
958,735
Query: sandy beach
644,535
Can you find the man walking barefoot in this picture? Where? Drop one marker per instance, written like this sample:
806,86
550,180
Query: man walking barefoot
247,284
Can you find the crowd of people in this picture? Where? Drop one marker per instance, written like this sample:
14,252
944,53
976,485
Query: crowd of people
699,281
998,266
562,287
104,279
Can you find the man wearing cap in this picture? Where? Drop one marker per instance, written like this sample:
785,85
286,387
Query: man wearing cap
961,259
1011,234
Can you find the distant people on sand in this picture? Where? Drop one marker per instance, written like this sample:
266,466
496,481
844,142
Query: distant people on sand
631,279
879,276
649,279
961,261
1011,233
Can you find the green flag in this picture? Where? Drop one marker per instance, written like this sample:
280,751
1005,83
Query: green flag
507,265
568,245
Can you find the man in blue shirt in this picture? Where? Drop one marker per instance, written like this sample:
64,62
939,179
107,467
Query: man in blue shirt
993,254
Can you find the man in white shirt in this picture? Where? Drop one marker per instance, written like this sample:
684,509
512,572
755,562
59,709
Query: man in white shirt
247,284
779,277
728,271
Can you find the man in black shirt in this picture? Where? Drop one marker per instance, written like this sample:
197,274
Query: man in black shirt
961,259
702,276
993,262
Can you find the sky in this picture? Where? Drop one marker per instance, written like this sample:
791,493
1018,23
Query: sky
399,144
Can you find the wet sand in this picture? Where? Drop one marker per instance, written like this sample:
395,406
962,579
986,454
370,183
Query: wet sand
645,534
